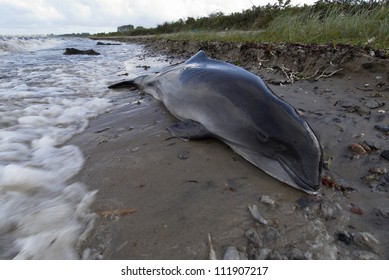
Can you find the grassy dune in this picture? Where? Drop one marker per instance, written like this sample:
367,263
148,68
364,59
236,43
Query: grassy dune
357,22
361,27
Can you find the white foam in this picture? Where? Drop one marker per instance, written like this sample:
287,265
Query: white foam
45,99
14,44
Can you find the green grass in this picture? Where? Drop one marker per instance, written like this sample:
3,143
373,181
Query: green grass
227,36
363,27
357,23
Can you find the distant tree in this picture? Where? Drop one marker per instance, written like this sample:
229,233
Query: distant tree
283,3
125,28
190,21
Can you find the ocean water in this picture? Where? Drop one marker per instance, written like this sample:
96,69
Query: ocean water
45,99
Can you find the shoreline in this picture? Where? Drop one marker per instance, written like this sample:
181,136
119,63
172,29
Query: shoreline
183,191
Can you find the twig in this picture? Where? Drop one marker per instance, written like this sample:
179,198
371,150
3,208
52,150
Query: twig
322,75
291,77
310,77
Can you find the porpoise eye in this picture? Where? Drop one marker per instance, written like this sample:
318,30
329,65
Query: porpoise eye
263,137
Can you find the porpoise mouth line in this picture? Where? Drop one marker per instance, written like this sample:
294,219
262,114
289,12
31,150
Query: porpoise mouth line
300,182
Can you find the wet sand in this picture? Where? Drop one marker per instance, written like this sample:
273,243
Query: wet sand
184,190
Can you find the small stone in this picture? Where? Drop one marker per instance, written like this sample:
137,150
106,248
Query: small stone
365,255
385,154
326,210
366,239
378,170
256,215
253,237
271,234
384,128
344,237
73,51
356,210
373,104
357,149
267,200
231,254
366,147
304,202
275,255
295,254
135,149
262,254
371,180
183,155
372,145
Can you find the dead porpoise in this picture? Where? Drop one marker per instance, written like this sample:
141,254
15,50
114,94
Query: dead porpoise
217,99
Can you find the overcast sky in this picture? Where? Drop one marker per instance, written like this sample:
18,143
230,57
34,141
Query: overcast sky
24,17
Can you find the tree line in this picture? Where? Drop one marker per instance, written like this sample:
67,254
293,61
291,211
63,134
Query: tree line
257,17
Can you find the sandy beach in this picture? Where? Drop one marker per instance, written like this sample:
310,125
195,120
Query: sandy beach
160,197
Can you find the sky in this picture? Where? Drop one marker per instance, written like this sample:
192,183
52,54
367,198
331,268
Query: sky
27,17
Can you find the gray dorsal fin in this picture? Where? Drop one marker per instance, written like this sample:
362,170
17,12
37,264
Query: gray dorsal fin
129,84
197,57
189,129
133,84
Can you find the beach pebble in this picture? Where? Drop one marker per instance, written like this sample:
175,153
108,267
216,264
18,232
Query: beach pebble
327,210
357,149
371,180
73,51
366,147
262,254
256,215
344,237
183,155
373,104
267,200
304,202
380,170
385,154
365,255
295,254
271,234
254,237
384,128
366,239
356,210
231,254
372,145
275,255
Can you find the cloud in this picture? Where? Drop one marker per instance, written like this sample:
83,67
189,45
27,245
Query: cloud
38,9
68,16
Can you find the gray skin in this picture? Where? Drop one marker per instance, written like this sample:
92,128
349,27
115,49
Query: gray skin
218,99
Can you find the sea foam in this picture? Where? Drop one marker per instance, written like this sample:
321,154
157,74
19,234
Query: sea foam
45,99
